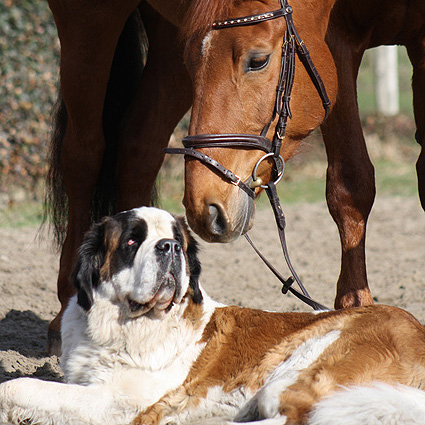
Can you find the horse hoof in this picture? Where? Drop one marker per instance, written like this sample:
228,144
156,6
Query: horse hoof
53,343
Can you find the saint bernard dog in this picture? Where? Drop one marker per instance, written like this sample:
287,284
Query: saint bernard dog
142,343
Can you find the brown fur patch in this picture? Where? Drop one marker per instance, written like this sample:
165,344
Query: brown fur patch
110,242
193,312
237,342
243,346
376,344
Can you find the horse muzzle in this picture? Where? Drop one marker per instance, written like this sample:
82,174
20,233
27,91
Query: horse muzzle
221,221
215,212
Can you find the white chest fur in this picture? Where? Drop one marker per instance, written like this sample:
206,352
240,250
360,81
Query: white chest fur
141,359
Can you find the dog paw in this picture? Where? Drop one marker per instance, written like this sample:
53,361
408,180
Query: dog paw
16,403
146,418
140,420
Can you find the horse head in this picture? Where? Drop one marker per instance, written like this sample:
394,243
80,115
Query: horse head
235,72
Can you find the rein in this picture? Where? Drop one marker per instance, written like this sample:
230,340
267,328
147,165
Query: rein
292,44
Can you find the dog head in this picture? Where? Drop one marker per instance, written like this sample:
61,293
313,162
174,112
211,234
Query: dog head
145,260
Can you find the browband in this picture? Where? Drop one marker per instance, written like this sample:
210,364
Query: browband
292,44
252,19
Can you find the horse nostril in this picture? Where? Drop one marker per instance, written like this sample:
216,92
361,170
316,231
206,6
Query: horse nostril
218,221
166,246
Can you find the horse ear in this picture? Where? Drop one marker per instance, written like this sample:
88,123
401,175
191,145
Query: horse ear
90,257
193,260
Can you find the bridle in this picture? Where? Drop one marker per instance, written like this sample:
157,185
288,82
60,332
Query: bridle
292,45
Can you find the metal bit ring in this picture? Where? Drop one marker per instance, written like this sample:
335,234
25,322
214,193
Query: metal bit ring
279,176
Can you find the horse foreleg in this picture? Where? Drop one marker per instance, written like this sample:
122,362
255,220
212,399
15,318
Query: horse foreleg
164,95
350,189
88,32
416,52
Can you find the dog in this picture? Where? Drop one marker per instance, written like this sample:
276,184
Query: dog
143,343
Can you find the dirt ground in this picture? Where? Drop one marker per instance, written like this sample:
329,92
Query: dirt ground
231,274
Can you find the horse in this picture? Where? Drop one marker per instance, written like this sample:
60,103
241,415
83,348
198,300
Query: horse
130,70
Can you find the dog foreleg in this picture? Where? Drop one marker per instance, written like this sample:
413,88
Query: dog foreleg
168,408
32,401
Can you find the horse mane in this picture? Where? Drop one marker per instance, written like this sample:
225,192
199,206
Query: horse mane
202,13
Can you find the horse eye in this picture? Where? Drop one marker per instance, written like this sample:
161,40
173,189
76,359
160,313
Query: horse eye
256,63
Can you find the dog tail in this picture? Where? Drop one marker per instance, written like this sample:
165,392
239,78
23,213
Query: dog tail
376,403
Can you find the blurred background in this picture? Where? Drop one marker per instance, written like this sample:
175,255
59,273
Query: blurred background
29,67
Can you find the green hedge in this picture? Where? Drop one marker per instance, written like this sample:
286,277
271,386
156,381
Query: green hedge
29,52
29,58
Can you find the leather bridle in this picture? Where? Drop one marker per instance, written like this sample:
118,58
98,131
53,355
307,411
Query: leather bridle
292,45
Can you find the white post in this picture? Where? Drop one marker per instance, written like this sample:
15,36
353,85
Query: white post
386,80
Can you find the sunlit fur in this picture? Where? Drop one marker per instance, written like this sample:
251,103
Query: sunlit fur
198,361
117,361
301,368
115,116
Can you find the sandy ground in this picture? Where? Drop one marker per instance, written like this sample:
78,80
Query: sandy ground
231,274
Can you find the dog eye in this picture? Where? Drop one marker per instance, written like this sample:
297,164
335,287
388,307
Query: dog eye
131,242
255,63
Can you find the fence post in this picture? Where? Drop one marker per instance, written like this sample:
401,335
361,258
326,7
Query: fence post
386,80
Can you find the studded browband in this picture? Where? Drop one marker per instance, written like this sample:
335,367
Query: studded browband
292,44
252,19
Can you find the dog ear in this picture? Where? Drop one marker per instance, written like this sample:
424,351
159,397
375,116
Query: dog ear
90,257
195,268
193,260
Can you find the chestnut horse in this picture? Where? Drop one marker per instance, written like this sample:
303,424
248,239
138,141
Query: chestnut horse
131,69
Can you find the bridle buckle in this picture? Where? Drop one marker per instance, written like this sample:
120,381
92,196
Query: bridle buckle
236,183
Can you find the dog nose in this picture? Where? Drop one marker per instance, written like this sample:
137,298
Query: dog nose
168,246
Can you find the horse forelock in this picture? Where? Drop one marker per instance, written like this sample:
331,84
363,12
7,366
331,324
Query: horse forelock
202,13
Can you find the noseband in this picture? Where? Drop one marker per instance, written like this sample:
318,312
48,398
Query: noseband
292,45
